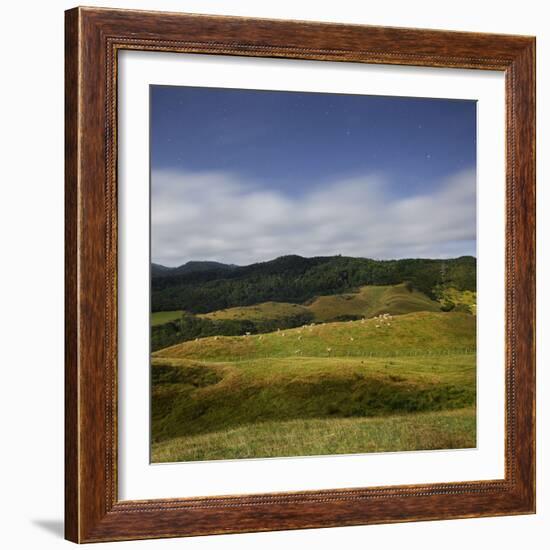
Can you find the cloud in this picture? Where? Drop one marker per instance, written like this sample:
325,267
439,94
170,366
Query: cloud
219,216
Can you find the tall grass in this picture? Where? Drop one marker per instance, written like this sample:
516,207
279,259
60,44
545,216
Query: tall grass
412,432
200,397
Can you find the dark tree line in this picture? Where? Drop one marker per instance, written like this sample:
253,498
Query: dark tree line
295,279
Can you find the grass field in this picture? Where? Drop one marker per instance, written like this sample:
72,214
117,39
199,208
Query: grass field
421,333
454,429
161,317
259,312
396,383
368,301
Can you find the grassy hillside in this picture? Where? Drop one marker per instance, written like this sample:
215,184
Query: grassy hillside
191,397
290,391
162,317
370,301
172,327
259,312
453,429
421,332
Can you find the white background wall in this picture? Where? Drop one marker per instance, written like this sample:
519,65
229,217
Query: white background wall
31,277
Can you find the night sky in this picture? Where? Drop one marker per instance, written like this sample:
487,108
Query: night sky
241,176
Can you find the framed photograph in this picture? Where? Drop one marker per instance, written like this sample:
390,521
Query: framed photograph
300,275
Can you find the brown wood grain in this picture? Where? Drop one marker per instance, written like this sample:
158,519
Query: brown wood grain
71,269
93,511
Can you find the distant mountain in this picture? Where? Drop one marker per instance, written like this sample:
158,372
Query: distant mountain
202,287
158,270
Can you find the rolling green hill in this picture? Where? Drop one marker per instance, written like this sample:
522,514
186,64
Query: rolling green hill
310,356
223,397
191,398
421,332
370,301
258,312
173,327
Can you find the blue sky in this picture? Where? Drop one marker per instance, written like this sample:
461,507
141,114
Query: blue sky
243,175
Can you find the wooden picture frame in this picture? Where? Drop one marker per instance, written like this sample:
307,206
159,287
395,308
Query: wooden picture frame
93,511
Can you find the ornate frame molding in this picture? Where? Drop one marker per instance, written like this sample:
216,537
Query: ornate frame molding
93,38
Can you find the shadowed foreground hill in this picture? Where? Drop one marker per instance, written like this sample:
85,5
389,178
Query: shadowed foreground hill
398,383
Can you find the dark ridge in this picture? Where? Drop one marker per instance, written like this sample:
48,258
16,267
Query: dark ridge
201,287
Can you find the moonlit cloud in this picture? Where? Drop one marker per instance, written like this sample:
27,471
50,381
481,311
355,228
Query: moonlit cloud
220,216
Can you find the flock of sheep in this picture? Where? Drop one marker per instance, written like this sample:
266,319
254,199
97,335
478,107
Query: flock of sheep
382,320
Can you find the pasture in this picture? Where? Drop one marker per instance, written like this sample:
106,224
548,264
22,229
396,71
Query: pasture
162,317
387,383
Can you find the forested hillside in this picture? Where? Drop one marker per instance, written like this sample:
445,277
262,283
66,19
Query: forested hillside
210,286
